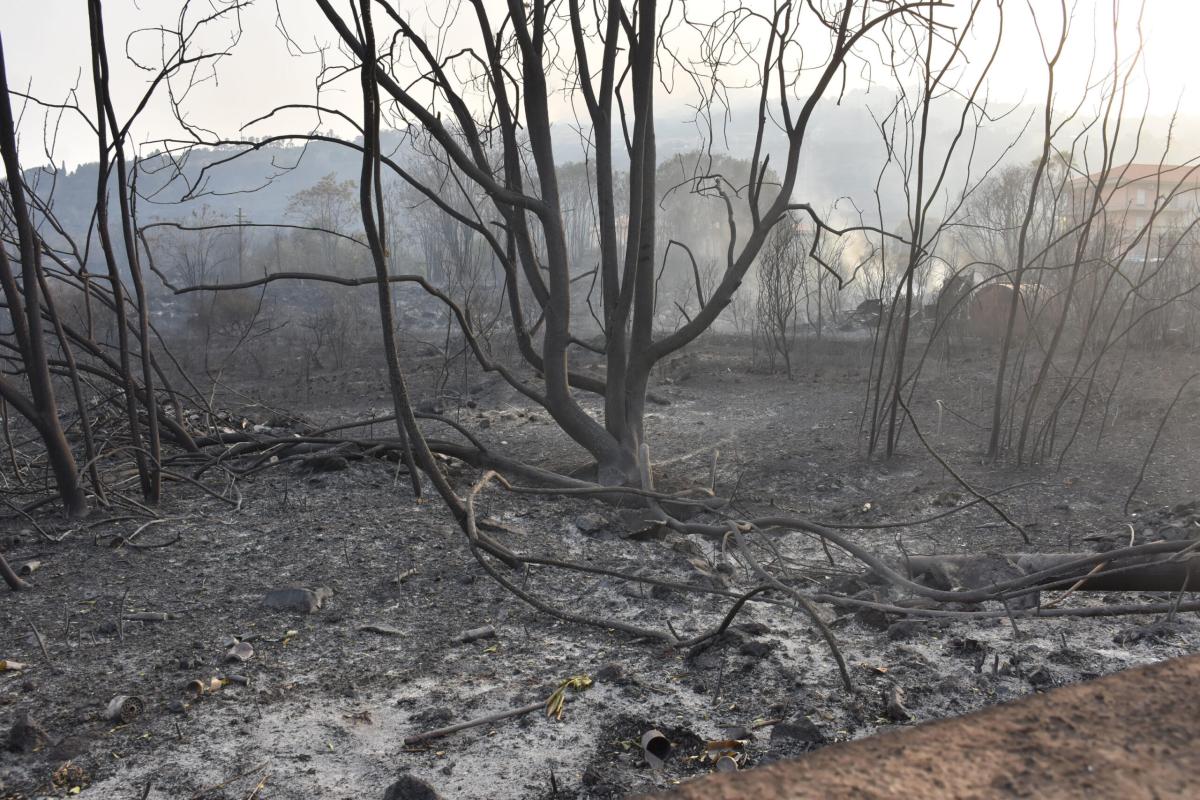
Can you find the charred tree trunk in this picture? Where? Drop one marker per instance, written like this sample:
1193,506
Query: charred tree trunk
25,309
146,473
374,225
522,186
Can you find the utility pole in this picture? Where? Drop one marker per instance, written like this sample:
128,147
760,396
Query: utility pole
240,245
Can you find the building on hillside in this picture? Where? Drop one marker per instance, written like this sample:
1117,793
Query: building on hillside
1149,232
1141,202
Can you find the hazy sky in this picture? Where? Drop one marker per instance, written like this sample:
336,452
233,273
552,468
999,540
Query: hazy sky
45,44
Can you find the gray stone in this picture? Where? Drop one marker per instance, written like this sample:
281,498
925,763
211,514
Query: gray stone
325,462
25,735
947,499
590,523
612,673
755,648
301,601
796,735
410,788
905,629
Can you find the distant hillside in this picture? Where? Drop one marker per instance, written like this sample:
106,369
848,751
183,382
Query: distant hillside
842,159
259,182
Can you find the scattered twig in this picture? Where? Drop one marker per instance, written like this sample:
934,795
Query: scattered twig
262,782
41,531
203,792
121,616
1179,596
933,517
417,738
804,603
1011,619
1162,423
11,578
483,632
1075,586
150,616
961,480
41,644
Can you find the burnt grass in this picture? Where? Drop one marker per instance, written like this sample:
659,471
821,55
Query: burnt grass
325,705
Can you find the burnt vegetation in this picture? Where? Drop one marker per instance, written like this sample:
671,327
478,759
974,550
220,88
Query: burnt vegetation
475,337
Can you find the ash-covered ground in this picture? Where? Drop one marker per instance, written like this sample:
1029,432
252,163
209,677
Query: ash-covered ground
329,696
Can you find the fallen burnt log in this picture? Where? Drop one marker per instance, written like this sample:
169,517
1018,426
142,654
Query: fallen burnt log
1144,573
